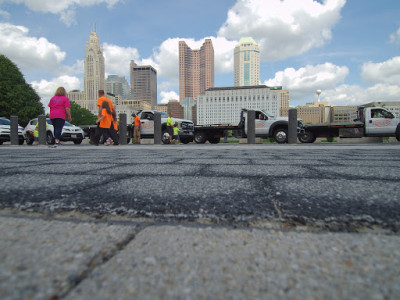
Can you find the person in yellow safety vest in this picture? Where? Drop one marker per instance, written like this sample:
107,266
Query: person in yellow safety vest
170,125
36,133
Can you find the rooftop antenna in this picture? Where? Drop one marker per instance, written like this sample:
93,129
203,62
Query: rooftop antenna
94,27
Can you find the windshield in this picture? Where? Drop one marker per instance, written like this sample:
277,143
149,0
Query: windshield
163,114
5,122
268,114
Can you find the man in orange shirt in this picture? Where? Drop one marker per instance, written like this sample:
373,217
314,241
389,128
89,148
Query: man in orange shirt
136,128
114,124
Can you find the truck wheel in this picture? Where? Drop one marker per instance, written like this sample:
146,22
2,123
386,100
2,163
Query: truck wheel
214,140
165,137
50,138
398,133
29,138
281,136
200,137
307,137
21,141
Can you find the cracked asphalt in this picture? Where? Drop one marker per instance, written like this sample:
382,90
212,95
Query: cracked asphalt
339,187
226,221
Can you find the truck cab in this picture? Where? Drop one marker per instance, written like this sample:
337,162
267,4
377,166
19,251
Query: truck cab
267,125
186,127
378,121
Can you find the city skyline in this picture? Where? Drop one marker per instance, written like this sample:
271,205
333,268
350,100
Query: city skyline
348,49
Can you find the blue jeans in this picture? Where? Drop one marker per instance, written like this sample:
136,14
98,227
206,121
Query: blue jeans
58,125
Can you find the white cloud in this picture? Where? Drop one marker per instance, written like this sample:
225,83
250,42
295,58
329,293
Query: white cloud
168,96
385,72
46,89
117,59
395,37
29,53
303,83
64,8
4,14
282,28
356,95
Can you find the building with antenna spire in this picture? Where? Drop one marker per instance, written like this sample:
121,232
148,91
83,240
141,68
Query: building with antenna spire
94,71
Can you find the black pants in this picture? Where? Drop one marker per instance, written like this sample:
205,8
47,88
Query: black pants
58,125
106,133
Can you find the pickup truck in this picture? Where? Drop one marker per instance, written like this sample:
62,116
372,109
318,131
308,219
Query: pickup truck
186,127
266,125
186,130
370,122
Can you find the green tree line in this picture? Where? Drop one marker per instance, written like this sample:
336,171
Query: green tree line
18,98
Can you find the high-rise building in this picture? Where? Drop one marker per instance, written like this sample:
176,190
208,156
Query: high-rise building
196,69
118,86
246,63
94,73
143,83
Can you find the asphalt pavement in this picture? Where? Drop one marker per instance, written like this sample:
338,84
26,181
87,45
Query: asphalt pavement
225,221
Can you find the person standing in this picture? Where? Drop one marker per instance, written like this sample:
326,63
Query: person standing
104,121
175,137
136,128
170,127
60,109
113,127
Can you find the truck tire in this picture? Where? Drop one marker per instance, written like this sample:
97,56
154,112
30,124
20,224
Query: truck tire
165,137
307,137
398,133
77,142
200,137
214,140
281,135
29,138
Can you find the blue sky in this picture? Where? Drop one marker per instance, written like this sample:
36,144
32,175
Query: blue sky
350,49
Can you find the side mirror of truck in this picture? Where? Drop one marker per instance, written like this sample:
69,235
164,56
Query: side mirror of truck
150,117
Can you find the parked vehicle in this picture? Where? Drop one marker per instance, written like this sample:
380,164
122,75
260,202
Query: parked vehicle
186,127
370,122
5,131
266,125
70,133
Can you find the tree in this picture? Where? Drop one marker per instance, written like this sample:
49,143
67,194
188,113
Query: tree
81,116
17,97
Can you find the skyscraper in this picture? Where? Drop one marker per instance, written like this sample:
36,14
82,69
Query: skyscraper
94,73
246,63
118,86
143,83
196,69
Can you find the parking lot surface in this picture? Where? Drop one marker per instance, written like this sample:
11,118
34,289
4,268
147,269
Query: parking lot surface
200,221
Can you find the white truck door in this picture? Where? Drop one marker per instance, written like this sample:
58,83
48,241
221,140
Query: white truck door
146,123
262,125
380,122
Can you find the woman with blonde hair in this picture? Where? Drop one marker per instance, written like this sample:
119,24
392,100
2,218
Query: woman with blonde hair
60,108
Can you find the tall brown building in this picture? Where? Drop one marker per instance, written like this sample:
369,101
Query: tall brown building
144,83
196,69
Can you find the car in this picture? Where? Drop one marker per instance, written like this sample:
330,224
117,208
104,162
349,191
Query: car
70,132
5,128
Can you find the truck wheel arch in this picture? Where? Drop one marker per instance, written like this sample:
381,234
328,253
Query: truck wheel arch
398,132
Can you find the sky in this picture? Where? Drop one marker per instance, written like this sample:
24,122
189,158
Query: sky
348,49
